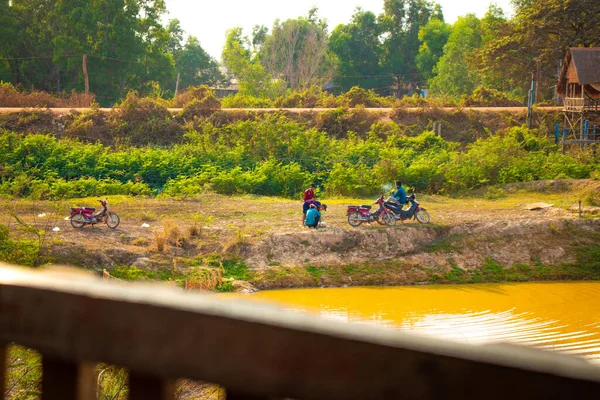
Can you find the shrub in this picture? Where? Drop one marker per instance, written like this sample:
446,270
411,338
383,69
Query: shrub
239,100
309,98
185,187
144,120
90,187
90,125
483,97
192,93
19,251
366,98
200,107
11,96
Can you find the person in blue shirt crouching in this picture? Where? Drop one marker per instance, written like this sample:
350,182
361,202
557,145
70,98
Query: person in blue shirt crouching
313,215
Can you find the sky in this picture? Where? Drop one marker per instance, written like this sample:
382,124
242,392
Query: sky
209,20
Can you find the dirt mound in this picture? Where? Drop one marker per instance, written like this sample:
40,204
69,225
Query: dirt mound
466,246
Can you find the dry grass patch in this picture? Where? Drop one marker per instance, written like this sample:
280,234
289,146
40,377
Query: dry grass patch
159,240
141,241
204,279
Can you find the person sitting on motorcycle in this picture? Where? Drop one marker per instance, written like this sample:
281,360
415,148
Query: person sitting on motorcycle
400,194
313,215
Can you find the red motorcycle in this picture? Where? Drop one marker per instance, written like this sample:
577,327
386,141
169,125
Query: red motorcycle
359,214
83,216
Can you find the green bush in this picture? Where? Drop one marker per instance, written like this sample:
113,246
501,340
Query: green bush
274,155
18,251
367,98
239,100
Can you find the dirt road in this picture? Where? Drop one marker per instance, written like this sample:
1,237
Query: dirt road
60,111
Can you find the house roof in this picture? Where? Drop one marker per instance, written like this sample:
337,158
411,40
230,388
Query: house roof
581,66
587,64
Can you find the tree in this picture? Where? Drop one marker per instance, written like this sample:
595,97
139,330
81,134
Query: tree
433,36
195,65
454,76
259,36
124,39
358,53
176,34
8,31
538,36
296,51
253,79
401,23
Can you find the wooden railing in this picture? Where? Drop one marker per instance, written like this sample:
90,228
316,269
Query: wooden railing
578,104
575,104
254,351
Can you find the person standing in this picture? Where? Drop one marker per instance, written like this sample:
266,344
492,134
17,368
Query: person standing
309,193
309,196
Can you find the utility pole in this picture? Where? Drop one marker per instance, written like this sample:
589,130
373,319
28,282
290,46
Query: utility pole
85,74
531,100
537,77
177,83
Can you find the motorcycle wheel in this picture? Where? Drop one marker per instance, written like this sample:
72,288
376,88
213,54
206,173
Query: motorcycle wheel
112,220
379,220
389,219
78,221
354,219
423,217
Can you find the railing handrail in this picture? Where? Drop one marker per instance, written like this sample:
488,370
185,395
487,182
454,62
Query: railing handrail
574,104
260,349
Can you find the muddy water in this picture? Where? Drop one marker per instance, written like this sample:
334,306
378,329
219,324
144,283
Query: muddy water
563,317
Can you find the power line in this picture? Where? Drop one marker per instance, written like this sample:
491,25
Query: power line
38,57
206,69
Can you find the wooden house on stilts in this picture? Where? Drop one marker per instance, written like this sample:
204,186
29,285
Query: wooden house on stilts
579,87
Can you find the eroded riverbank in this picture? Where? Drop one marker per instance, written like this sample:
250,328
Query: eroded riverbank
228,243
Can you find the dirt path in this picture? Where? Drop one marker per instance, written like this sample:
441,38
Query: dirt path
60,111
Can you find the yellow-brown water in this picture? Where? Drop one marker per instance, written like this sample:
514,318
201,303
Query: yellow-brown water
561,316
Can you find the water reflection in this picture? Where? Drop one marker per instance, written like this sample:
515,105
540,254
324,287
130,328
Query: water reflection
562,317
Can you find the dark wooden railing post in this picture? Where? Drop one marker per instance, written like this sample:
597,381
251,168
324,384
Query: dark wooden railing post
62,380
256,351
2,370
143,387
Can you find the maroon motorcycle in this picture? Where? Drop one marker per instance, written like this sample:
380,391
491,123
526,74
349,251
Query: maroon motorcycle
359,214
83,216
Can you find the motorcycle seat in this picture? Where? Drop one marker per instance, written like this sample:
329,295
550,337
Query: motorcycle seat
393,206
365,206
89,209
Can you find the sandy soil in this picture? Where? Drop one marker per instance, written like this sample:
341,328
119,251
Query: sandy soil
268,230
